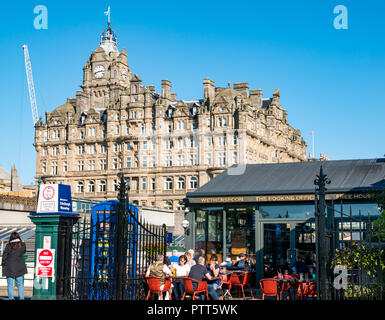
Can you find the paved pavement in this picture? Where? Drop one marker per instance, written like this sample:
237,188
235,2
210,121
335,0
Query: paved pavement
4,293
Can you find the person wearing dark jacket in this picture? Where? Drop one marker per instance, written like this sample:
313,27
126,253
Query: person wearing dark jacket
13,265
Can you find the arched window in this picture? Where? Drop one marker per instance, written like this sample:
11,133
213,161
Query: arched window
168,184
80,187
91,186
180,183
193,183
102,186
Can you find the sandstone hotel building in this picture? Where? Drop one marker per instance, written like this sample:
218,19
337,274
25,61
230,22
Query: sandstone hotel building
163,146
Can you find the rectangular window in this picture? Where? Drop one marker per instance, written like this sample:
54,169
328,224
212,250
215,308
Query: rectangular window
152,183
235,157
144,145
91,149
91,165
221,159
54,168
80,149
208,158
65,166
144,183
115,163
180,160
193,142
128,162
153,162
168,161
81,165
144,162
103,164
221,141
193,159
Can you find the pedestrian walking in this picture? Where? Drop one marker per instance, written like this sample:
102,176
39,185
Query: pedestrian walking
13,265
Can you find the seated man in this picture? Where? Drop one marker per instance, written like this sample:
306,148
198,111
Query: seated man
242,262
199,272
160,270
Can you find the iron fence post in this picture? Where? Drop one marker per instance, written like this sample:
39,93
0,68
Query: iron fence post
321,238
119,254
164,240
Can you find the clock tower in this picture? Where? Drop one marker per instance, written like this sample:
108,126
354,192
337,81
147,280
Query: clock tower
106,75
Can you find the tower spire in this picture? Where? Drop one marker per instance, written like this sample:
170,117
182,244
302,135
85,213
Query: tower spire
108,39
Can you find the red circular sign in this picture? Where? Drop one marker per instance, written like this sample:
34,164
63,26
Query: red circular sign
45,257
48,193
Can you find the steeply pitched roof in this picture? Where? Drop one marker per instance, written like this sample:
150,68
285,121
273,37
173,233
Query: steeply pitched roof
4,174
296,178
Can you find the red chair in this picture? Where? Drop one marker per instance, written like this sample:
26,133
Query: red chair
270,288
188,287
306,289
312,290
285,286
241,281
154,284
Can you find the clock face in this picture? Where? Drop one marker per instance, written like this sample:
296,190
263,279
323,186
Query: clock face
99,72
124,74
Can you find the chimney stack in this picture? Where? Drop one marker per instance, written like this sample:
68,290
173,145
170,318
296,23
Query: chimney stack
242,88
256,98
208,88
166,89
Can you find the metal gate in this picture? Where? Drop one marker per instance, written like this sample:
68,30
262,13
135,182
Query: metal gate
111,252
350,249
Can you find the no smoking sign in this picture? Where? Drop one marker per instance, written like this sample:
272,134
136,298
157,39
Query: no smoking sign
48,193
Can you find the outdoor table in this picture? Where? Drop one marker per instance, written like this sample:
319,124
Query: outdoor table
280,282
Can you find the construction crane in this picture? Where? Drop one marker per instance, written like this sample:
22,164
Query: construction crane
31,87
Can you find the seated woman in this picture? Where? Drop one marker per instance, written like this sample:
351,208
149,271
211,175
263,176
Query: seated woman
182,270
213,285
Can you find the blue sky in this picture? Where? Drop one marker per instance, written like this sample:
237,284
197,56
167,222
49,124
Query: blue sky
331,81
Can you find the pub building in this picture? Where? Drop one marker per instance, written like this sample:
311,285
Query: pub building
267,211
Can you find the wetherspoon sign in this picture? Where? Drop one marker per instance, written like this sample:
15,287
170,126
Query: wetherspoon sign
281,197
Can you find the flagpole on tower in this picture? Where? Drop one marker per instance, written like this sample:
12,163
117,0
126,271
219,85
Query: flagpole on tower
108,13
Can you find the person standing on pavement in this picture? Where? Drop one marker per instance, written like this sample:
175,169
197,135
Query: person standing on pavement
13,265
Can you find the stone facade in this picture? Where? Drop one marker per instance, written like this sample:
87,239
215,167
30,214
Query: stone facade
164,147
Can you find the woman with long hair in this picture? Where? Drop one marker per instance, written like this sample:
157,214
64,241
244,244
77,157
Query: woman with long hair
13,265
